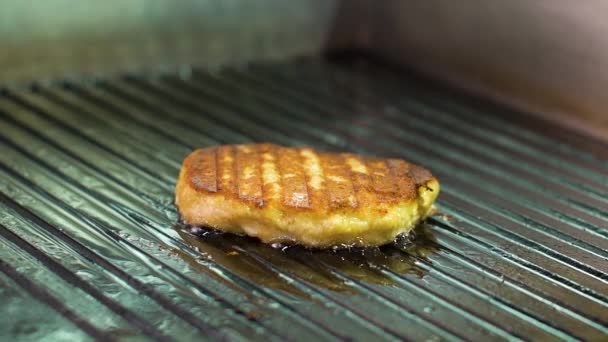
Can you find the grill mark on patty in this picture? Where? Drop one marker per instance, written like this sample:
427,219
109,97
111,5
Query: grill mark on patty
338,180
203,170
382,179
405,184
293,180
271,179
362,182
249,180
315,177
302,177
226,169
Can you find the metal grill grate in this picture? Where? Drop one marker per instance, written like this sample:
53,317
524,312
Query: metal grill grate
88,244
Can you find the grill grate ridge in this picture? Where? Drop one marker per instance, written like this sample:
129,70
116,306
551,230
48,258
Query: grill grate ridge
115,147
71,278
42,295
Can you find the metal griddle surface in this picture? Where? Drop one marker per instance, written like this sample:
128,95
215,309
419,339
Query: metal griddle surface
90,248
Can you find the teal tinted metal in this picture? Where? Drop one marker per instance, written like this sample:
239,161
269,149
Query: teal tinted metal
91,247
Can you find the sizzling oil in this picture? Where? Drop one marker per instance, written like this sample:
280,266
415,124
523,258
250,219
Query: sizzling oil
282,266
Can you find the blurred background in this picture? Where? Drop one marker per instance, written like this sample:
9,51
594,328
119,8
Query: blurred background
546,56
101,101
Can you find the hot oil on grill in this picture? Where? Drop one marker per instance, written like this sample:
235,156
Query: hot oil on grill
89,244
366,264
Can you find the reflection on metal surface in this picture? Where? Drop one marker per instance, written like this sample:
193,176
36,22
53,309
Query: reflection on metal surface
288,264
88,170
57,38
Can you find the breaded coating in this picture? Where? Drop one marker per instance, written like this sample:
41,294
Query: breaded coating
299,195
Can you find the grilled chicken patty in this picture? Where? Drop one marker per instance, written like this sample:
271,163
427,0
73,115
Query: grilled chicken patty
299,195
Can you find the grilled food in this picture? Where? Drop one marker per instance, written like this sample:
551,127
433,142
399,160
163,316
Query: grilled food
299,195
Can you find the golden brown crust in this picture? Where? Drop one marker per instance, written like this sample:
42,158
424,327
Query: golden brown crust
302,178
284,194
